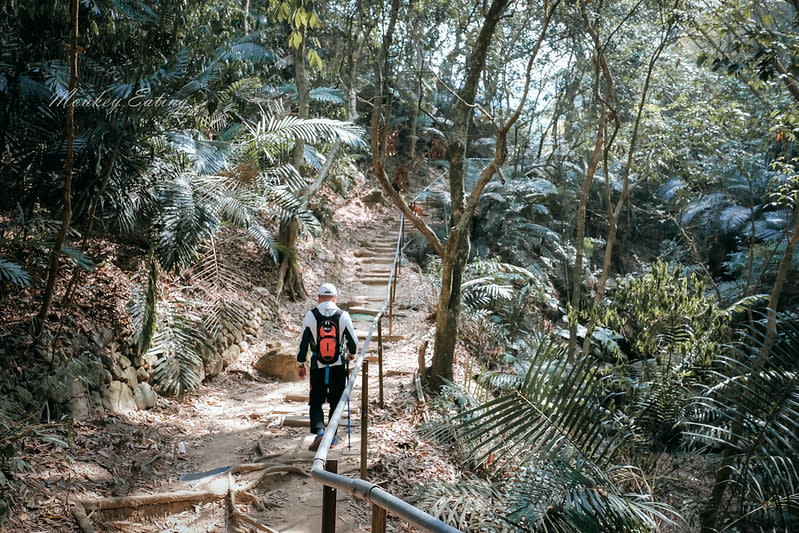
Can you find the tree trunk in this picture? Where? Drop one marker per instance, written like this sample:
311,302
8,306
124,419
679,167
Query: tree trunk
458,244
290,277
579,245
776,291
69,132
414,134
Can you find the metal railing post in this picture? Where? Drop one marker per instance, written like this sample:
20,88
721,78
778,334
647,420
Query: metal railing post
380,360
364,417
329,501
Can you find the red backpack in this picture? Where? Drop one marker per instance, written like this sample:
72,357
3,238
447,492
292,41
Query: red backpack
327,337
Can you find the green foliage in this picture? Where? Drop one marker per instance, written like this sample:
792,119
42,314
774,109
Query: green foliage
143,308
550,448
178,367
748,408
667,316
14,273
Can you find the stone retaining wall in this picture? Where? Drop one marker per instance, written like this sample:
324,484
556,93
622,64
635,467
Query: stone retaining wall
104,377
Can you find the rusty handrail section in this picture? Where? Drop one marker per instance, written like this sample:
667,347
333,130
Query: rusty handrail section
357,487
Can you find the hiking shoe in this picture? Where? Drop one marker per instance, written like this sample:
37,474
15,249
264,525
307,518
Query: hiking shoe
317,440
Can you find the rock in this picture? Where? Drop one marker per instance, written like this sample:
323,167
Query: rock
129,376
142,375
280,362
79,404
244,346
263,291
119,398
144,396
95,397
124,362
150,360
231,354
375,196
213,366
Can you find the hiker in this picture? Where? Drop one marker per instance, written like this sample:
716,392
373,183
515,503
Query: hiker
326,329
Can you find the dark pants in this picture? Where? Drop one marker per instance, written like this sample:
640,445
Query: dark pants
322,390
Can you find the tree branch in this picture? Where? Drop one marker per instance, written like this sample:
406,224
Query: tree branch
399,201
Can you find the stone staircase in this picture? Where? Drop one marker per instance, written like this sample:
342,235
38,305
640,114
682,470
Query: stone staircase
363,301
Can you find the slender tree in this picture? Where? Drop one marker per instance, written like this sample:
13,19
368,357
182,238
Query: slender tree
69,134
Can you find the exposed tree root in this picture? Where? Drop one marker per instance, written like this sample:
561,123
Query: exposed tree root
233,493
133,502
79,512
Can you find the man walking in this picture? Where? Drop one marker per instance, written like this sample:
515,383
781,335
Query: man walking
326,329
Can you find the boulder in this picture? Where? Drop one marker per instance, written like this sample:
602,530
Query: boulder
280,362
129,376
119,398
231,354
144,396
213,365
79,404
142,375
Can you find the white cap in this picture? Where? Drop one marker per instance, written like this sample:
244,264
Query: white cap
327,289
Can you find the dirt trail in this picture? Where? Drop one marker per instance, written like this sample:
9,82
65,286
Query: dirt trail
239,417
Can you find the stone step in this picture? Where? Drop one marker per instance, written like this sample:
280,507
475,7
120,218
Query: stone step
304,421
374,270
362,311
374,281
386,338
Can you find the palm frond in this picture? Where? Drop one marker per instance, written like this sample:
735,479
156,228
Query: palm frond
564,495
207,157
733,218
143,309
291,206
219,280
185,222
466,505
559,406
178,366
329,95
78,257
14,273
270,131
749,408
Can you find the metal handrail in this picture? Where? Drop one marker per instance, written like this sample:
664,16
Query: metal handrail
357,487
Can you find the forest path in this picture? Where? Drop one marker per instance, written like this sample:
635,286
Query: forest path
240,417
